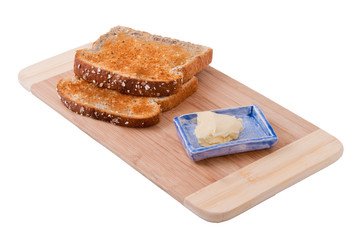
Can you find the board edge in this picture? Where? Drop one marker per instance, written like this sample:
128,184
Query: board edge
55,65
225,198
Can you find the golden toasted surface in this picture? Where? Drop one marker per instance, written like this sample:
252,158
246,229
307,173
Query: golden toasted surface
107,100
139,56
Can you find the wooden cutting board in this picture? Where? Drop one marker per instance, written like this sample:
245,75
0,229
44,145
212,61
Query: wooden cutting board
215,189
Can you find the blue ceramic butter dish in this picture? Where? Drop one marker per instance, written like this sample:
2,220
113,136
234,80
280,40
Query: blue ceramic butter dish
257,134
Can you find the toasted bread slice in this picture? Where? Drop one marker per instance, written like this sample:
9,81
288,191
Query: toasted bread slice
120,109
140,64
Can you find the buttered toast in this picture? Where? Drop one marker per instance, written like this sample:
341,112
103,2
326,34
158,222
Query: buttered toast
141,64
119,109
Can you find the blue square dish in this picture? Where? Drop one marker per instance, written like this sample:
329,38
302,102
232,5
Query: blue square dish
257,134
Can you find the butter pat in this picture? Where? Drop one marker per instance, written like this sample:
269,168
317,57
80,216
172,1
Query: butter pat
215,128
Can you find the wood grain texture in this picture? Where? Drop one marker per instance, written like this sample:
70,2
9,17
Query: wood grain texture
53,66
264,178
157,153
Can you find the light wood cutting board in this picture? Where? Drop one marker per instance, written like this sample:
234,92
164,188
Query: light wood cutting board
215,189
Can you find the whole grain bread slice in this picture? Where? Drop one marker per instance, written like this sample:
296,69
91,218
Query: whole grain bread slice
119,109
141,64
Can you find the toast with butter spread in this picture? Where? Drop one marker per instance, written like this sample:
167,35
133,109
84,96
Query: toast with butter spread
141,64
119,109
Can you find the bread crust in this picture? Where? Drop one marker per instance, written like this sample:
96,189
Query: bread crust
114,119
127,85
169,102
133,85
197,64
162,103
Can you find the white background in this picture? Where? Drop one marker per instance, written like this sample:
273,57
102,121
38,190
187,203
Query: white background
58,183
